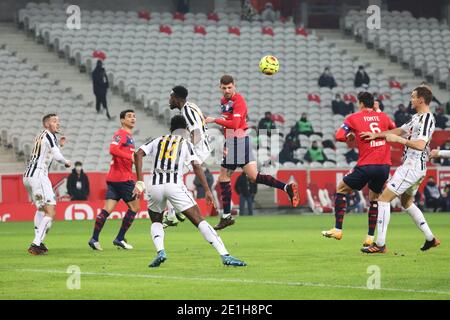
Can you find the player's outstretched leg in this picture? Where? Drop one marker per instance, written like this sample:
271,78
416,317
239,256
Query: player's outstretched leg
98,226
340,206
384,216
372,215
126,224
421,223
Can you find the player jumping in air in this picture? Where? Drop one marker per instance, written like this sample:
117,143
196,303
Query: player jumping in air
169,153
373,164
238,150
120,182
36,181
199,137
407,178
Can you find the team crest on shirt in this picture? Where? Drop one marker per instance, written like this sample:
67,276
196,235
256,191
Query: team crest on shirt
129,141
117,138
227,107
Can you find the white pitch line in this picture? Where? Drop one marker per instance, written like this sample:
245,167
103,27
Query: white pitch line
231,280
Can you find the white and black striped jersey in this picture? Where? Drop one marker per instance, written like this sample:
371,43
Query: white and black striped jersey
45,150
420,127
196,121
169,154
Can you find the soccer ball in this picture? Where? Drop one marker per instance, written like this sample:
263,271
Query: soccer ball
269,65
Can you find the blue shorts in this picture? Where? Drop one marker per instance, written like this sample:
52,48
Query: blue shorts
239,153
120,190
375,176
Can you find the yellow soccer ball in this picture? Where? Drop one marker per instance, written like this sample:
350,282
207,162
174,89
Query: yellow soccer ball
269,65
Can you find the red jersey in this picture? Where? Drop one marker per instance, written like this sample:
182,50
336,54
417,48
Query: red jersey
370,152
121,149
234,113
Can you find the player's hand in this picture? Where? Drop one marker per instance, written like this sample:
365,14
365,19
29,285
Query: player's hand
210,120
393,138
210,199
62,141
434,153
225,152
68,164
368,136
350,136
132,157
139,188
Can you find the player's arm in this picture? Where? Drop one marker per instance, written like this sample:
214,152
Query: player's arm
137,158
436,153
201,176
238,111
57,155
114,148
193,122
382,135
418,144
344,133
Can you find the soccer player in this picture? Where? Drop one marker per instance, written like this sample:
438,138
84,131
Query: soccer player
416,136
36,181
373,164
199,137
238,150
169,153
120,182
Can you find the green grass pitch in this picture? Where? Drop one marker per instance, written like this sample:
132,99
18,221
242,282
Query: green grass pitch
287,259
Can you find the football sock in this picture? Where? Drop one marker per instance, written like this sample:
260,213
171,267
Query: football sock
37,220
126,223
384,215
157,232
42,229
270,181
420,221
170,212
372,215
99,222
226,198
212,237
340,205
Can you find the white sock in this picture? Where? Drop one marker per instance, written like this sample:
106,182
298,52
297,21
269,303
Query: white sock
37,220
212,237
225,215
420,221
171,212
384,215
157,232
42,229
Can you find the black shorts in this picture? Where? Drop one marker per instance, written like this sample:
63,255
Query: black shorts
120,190
375,176
239,153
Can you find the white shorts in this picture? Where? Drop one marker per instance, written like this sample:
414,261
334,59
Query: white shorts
40,190
406,181
177,194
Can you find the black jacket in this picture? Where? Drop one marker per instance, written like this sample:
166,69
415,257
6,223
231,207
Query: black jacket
245,187
327,81
361,78
100,81
200,190
73,191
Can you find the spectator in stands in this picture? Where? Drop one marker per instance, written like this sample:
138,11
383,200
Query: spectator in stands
351,156
447,107
380,102
198,185
444,161
292,139
441,119
401,116
266,123
101,85
268,14
433,197
246,191
78,183
248,11
182,6
340,107
315,153
446,197
354,202
326,79
304,126
361,78
287,154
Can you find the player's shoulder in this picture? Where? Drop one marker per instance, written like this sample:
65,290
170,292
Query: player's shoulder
238,97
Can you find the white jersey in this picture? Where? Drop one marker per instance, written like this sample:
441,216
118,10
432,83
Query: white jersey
169,154
420,127
196,121
45,150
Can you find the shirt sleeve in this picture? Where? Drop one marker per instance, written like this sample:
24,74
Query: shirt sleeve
193,119
239,111
426,128
189,153
407,126
114,147
148,147
57,155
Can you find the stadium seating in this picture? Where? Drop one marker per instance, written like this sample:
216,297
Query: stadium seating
421,44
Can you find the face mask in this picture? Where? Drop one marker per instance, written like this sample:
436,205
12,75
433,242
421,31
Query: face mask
315,147
78,168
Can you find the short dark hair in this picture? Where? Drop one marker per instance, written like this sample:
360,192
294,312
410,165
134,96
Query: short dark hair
78,163
180,92
48,116
124,113
177,122
366,98
425,93
226,79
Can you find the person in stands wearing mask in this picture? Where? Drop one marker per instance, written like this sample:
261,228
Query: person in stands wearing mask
315,153
78,183
433,197
304,126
